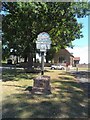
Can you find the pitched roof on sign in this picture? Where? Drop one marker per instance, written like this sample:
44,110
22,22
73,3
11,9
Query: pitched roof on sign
43,37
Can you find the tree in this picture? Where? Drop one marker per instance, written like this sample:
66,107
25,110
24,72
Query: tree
26,20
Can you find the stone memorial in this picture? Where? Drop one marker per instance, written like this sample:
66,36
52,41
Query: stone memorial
41,85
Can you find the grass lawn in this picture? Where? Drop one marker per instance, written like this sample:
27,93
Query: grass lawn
80,69
67,100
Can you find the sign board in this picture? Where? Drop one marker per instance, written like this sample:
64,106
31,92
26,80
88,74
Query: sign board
43,41
43,47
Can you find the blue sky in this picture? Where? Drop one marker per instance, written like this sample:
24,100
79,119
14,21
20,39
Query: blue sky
81,45
83,41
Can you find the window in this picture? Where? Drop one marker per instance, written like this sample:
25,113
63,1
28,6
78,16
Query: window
62,59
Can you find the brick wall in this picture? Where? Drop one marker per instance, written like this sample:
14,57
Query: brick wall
65,54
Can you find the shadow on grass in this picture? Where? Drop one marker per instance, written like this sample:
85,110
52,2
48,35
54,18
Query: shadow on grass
65,73
15,86
44,109
65,78
69,101
80,74
15,75
86,87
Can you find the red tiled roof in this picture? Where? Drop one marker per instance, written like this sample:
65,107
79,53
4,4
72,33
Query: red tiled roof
76,58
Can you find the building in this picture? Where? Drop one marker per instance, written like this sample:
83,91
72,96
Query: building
65,57
76,60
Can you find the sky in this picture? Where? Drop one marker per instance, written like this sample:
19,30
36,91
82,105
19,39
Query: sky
81,45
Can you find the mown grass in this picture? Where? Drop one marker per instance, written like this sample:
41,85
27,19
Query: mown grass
88,69
68,99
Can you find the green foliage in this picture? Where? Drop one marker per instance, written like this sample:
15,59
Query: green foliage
27,19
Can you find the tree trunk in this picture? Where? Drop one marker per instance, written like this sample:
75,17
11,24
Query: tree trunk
16,59
46,60
25,59
35,57
30,61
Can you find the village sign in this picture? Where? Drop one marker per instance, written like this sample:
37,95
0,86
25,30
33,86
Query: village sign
43,43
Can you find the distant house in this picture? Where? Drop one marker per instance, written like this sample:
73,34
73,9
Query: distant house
63,56
76,60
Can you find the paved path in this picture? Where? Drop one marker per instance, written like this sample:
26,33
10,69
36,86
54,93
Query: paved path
83,78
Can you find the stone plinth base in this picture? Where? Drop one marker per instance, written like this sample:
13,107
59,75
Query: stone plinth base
41,85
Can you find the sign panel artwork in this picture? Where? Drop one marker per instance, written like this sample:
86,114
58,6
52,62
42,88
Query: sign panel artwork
43,42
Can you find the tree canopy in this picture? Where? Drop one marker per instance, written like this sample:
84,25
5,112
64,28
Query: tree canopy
27,19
